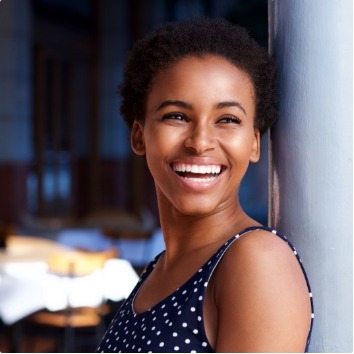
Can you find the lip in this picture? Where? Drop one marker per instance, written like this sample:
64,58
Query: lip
203,174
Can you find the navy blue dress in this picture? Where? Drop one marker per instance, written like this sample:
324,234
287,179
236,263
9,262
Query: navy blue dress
175,324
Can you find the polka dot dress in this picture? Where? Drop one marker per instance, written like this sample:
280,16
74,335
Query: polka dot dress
176,323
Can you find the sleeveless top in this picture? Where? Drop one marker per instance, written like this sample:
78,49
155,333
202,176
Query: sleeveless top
176,323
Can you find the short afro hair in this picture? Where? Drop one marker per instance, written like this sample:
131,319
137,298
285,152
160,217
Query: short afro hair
198,36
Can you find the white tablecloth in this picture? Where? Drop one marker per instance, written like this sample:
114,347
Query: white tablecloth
26,287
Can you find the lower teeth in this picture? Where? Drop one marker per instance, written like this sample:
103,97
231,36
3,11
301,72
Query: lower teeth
199,179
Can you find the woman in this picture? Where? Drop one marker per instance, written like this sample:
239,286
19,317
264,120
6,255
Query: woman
197,96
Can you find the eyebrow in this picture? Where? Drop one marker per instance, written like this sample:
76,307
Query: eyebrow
176,103
186,105
230,104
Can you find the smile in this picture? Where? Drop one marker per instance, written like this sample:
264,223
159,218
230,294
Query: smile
197,173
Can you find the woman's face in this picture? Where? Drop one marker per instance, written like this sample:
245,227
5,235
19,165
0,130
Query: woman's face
198,134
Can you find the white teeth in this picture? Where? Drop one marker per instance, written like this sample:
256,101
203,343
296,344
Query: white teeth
200,169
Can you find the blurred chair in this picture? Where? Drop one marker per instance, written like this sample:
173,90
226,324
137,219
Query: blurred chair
72,321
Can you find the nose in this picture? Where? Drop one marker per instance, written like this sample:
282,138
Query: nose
200,139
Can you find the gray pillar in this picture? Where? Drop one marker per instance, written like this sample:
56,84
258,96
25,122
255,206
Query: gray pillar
311,170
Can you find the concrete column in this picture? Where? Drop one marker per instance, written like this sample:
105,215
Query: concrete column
311,169
15,106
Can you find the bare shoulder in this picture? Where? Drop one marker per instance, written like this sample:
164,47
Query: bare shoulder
262,297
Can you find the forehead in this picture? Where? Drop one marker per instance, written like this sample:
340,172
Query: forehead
210,76
205,62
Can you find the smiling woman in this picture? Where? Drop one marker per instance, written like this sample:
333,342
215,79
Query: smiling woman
197,96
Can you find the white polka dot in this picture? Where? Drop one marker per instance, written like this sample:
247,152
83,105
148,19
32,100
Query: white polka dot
310,294
161,344
195,331
175,334
195,290
184,324
153,328
165,314
193,351
179,312
200,298
184,292
148,342
204,344
163,306
176,348
193,309
199,318
175,304
200,270
206,284
173,298
312,315
187,341
154,319
158,333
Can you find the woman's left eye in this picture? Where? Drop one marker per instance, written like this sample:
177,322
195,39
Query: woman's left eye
174,116
229,120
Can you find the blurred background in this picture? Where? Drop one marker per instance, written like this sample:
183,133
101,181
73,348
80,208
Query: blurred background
67,173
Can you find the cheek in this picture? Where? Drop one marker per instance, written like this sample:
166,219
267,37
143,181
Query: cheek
240,151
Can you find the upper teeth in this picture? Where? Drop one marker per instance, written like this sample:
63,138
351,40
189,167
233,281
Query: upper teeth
181,167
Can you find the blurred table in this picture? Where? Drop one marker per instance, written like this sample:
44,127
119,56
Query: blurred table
137,247
27,283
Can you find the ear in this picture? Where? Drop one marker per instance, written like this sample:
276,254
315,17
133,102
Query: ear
256,147
137,139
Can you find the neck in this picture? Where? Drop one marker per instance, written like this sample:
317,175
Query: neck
185,234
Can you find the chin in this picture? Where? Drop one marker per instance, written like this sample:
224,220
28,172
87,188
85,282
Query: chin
196,209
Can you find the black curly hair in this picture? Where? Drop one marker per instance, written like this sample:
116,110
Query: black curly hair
198,36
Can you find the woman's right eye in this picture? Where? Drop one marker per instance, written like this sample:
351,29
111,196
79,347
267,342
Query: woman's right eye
174,116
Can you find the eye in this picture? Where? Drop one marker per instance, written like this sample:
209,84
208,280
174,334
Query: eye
229,120
174,116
